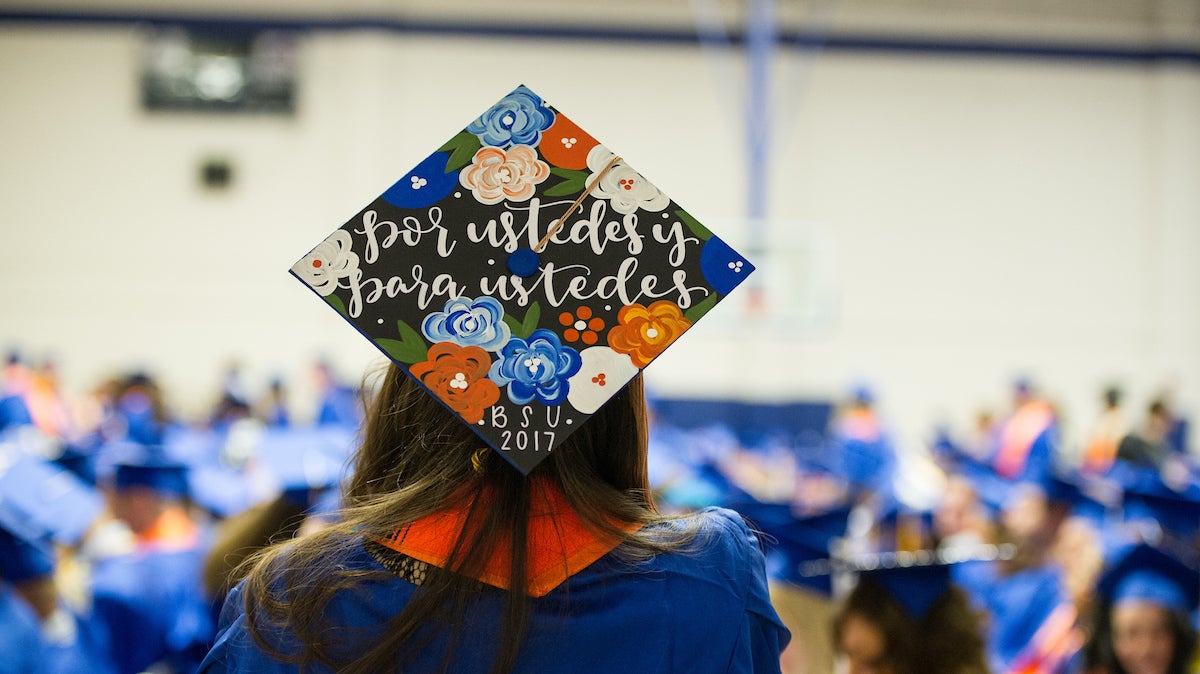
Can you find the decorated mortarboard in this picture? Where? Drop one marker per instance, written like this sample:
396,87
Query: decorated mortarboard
522,273
1148,574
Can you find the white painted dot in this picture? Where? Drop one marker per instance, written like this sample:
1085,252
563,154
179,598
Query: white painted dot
457,195
608,307
652,333
491,261
665,216
380,321
568,422
580,325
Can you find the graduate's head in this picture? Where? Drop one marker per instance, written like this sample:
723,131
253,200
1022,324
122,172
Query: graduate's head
1146,598
412,441
143,486
872,634
908,620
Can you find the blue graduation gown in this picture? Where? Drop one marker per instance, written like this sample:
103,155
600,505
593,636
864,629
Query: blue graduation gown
696,611
150,608
1019,605
21,647
79,649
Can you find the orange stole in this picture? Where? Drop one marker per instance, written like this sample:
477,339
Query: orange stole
1019,434
171,532
559,544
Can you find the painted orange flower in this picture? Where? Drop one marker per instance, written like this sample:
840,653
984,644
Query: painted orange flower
581,325
458,375
645,332
565,144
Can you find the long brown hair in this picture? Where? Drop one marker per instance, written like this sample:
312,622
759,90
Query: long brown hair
415,460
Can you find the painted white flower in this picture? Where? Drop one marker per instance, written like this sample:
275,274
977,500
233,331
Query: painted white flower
331,261
625,188
601,375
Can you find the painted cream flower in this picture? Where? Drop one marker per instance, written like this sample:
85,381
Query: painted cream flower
603,373
625,188
328,263
496,175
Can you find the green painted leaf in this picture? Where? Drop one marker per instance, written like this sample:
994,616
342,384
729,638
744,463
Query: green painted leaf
570,174
531,320
573,182
514,326
337,303
409,349
524,328
693,224
461,148
565,189
694,313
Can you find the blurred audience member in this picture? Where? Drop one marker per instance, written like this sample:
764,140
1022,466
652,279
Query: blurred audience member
1026,446
1149,445
1106,435
337,403
272,408
138,413
908,620
150,601
1142,621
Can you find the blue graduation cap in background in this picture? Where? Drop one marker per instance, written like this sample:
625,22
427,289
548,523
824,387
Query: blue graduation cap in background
992,490
26,551
23,556
916,586
44,501
801,555
1177,516
303,459
1149,574
13,412
149,466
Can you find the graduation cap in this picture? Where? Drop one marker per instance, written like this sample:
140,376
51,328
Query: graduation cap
1176,515
918,579
1149,574
22,556
801,554
993,491
303,462
149,466
40,501
13,411
522,274
916,587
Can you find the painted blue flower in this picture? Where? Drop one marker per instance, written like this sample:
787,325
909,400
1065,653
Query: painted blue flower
538,367
518,119
469,322
425,185
722,266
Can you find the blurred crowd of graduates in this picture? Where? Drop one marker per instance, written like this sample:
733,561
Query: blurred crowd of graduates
121,526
